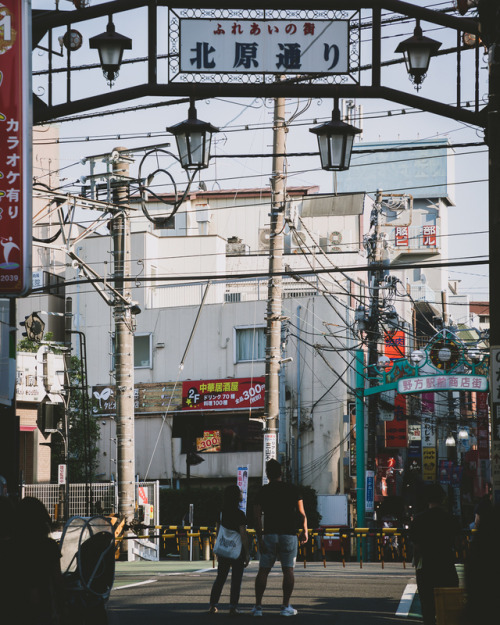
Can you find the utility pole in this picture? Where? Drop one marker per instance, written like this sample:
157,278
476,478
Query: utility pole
274,291
124,319
373,331
490,33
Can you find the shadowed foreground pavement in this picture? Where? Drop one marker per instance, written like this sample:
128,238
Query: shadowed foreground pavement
178,592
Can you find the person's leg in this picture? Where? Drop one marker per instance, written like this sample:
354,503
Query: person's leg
260,584
237,568
222,572
288,553
288,584
426,596
267,558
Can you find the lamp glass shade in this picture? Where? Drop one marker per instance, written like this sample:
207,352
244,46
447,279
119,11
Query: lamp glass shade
450,441
110,54
418,58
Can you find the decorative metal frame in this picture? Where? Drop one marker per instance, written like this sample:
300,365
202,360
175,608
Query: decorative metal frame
170,83
402,368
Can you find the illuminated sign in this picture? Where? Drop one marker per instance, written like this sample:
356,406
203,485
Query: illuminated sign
228,394
15,148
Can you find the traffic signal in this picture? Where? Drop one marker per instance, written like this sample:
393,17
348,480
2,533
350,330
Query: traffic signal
49,415
34,327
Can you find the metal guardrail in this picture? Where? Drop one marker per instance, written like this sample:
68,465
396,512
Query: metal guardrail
354,544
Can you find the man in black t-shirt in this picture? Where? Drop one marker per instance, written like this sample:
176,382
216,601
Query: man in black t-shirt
283,510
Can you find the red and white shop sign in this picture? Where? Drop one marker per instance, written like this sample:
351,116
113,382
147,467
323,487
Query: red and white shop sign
15,147
402,238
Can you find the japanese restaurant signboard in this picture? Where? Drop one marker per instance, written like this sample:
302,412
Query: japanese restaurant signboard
264,46
15,148
228,394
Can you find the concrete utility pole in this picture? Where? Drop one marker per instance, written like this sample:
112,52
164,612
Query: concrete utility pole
124,343
274,292
374,336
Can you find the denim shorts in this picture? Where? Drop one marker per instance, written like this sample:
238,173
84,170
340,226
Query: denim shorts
283,546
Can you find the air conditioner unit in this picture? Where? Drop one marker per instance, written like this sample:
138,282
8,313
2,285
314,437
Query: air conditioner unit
264,238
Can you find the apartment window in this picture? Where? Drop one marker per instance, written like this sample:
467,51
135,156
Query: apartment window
249,343
142,351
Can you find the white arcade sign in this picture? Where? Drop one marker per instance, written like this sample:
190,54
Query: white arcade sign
436,383
264,46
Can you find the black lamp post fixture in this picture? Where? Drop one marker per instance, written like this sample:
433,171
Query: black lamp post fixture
110,46
335,139
193,138
417,51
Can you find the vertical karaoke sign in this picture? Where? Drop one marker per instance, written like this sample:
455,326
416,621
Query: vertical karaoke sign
15,147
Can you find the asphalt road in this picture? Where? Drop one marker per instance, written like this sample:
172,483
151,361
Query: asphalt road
334,595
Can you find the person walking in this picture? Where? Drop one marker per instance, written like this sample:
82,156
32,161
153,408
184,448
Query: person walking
433,535
283,510
232,518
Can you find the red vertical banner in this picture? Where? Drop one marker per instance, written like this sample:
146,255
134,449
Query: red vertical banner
482,426
15,147
396,430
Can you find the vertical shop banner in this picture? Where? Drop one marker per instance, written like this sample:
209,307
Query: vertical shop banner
270,451
242,481
429,464
483,426
370,491
15,147
396,431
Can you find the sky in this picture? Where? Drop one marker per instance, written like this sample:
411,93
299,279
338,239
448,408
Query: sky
246,125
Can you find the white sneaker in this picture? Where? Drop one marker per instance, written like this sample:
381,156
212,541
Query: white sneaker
287,610
256,610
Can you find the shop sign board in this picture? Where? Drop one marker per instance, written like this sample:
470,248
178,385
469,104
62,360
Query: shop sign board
370,491
270,452
210,442
291,46
15,148
227,394
429,464
428,383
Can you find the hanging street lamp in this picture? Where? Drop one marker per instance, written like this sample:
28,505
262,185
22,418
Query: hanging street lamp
193,138
110,46
335,140
417,51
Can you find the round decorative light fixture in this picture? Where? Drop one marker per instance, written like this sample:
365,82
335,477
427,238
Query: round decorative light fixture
383,363
444,354
417,356
450,441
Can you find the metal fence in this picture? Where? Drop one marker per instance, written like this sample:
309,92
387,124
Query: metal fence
103,497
